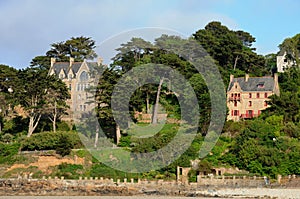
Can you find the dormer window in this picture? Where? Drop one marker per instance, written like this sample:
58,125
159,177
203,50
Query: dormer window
70,76
261,85
61,76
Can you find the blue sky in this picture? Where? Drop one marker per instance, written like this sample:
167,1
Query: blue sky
28,27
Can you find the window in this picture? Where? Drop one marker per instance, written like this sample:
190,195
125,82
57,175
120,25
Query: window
265,103
235,103
84,76
250,103
266,95
250,113
250,95
285,60
70,76
257,95
236,112
231,94
70,87
261,85
61,76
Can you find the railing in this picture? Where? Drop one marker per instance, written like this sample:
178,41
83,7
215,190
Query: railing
246,116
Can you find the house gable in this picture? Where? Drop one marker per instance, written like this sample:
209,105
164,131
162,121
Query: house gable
248,96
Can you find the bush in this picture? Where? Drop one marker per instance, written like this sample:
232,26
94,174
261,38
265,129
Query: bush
63,126
7,152
51,141
69,171
64,145
101,170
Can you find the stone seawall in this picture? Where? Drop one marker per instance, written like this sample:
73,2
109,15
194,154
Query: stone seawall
93,187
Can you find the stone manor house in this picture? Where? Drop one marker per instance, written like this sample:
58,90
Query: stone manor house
248,96
76,75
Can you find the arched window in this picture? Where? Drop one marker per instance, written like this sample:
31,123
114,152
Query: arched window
84,76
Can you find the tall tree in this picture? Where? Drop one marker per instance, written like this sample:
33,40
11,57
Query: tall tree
8,82
79,48
32,94
231,49
55,102
291,46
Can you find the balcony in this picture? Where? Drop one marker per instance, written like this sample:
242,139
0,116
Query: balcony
249,116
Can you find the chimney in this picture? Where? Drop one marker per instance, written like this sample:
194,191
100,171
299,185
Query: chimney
246,77
71,61
53,60
231,77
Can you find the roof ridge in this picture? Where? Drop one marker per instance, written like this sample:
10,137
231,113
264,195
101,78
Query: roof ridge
253,77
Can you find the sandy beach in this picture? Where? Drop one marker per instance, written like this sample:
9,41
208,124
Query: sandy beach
223,193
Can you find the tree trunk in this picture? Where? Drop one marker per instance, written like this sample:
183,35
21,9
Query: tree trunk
96,137
147,103
54,117
118,134
155,107
235,62
54,124
33,122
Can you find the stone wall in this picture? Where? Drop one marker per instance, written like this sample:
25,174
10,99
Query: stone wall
125,187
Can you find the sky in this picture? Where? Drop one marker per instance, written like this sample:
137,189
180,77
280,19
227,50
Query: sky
29,27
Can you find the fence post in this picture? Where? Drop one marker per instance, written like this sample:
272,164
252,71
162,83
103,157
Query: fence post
279,179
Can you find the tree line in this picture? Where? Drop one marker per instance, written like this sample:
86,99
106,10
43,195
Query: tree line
44,96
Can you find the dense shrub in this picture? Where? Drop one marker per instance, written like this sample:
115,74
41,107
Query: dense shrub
7,152
64,145
101,170
51,141
259,149
69,171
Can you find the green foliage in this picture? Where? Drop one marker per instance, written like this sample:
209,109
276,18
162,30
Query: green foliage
7,152
7,138
69,171
101,170
64,145
79,48
63,126
82,153
260,150
231,49
291,46
288,103
14,173
51,141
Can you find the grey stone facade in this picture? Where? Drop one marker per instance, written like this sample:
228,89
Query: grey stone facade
77,76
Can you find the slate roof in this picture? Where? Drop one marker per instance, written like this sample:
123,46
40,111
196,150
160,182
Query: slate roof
65,66
253,83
